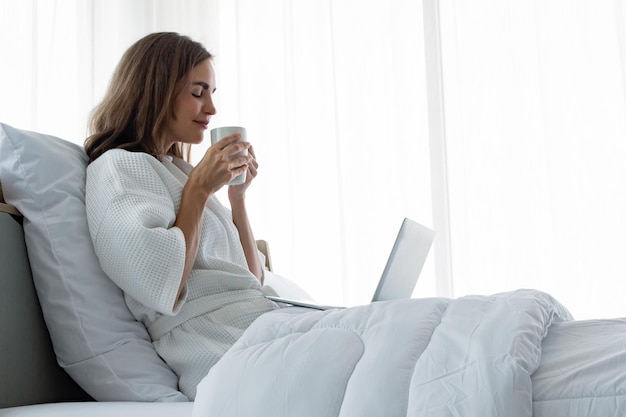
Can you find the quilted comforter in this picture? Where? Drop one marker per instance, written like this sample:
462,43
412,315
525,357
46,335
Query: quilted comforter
471,356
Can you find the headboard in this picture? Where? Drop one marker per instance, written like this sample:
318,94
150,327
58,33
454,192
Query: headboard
29,373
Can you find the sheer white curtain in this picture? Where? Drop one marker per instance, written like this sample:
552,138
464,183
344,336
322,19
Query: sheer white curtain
46,77
535,115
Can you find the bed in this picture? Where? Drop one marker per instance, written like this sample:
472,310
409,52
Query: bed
69,347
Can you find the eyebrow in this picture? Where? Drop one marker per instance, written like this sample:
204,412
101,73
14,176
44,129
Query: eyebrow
202,84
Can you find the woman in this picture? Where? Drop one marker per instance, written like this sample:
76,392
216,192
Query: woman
189,267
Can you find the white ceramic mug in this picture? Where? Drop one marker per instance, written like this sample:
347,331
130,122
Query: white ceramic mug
220,133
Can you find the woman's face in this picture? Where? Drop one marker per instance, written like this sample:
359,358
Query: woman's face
193,107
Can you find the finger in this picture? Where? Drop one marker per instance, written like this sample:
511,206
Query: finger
235,172
254,167
239,161
228,140
237,149
253,161
240,169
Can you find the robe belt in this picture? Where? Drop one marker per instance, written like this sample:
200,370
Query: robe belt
197,307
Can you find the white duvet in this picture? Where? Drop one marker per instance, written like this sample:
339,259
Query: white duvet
472,356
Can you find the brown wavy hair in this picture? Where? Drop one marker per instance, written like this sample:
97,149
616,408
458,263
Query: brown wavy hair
139,101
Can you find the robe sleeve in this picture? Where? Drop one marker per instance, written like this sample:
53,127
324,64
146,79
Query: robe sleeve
130,214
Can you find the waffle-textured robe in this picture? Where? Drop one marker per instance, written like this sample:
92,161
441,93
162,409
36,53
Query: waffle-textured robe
132,200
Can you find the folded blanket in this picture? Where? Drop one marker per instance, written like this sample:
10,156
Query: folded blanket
471,356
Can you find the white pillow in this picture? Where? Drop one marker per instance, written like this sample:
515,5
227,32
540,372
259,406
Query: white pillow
95,337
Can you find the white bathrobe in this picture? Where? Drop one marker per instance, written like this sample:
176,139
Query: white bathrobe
132,200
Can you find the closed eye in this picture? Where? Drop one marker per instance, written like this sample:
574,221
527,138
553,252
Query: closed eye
199,88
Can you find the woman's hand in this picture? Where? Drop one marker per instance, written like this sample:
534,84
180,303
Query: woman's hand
237,192
220,165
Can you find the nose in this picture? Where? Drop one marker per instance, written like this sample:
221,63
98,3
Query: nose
209,106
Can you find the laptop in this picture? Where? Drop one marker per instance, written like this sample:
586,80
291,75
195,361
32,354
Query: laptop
401,272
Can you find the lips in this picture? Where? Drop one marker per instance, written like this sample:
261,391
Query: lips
203,123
